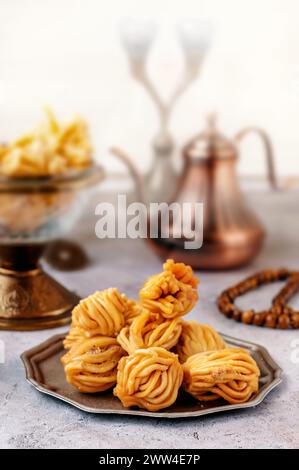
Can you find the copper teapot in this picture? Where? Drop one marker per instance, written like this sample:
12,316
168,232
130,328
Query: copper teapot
232,233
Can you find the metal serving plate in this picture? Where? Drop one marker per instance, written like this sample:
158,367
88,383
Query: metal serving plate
45,372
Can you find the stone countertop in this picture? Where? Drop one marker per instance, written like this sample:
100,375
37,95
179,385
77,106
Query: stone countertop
29,419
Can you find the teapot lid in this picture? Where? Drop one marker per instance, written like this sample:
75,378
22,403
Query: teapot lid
210,143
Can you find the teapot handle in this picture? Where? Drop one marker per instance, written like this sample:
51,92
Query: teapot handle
268,150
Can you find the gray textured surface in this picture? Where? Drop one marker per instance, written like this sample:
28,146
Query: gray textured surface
29,419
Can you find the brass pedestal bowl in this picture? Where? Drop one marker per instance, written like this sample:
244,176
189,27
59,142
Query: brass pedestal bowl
32,214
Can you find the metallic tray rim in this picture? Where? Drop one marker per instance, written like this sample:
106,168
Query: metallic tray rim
277,379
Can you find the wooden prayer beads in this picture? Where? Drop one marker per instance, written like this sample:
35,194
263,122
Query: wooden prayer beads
279,315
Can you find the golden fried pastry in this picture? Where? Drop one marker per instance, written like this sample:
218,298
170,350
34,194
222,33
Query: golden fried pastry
3,148
163,293
91,365
134,308
50,149
70,141
74,336
229,373
150,329
25,157
182,272
149,378
196,338
102,313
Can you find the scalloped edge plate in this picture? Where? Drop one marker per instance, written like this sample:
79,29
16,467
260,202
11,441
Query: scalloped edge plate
45,372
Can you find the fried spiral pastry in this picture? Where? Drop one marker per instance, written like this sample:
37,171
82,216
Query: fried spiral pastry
134,309
150,329
164,294
91,365
182,272
102,313
149,378
74,336
231,374
196,338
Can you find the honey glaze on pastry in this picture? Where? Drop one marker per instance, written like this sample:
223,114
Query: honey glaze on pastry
231,374
102,313
163,293
91,365
149,378
196,338
150,329
182,272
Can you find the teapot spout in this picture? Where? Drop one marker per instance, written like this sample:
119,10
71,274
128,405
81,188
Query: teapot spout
135,173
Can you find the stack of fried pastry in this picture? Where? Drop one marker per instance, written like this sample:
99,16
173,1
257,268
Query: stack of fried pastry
164,299
93,351
148,350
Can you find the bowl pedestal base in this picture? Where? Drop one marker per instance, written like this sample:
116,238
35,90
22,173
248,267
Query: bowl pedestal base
30,299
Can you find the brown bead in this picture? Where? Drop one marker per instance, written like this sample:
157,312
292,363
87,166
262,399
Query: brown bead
239,290
287,310
264,277
233,293
258,318
225,297
247,316
228,309
283,274
295,320
250,284
283,321
277,309
237,314
270,321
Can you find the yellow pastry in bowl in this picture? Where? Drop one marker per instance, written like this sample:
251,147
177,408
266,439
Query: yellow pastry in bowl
91,365
150,329
149,378
51,149
196,338
231,374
